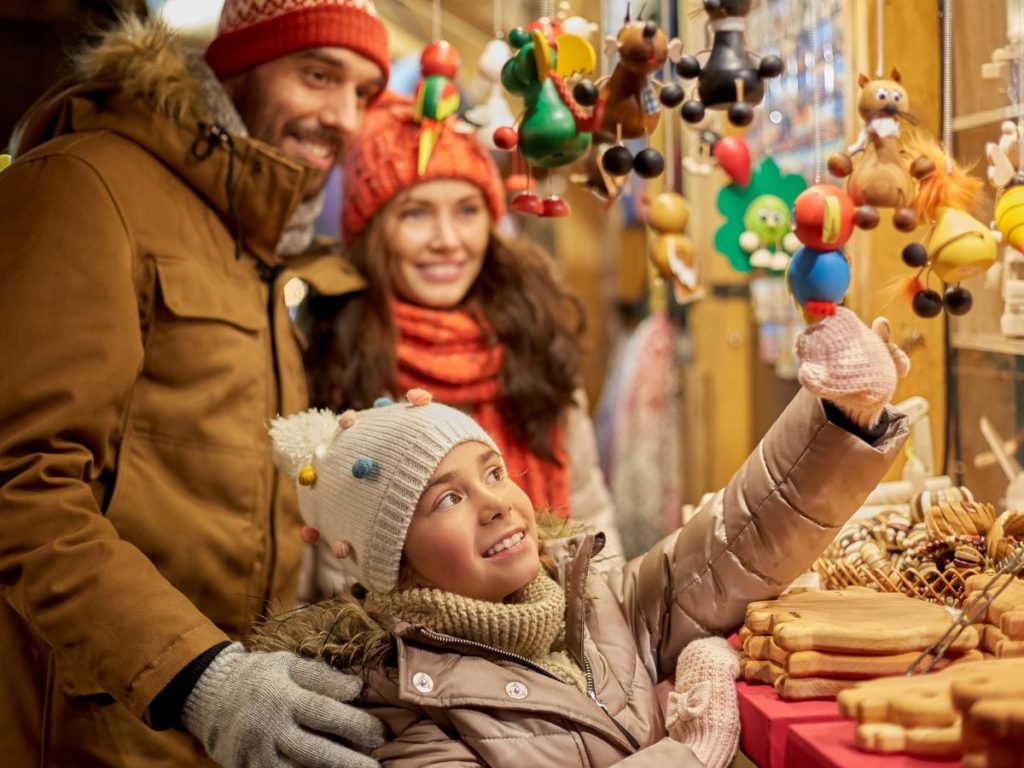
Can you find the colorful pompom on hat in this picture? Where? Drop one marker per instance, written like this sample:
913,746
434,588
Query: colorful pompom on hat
384,162
360,475
253,32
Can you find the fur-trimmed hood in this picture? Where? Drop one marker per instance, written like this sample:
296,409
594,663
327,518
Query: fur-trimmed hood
136,60
140,83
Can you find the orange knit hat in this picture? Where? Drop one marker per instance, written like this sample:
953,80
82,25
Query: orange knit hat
383,163
253,32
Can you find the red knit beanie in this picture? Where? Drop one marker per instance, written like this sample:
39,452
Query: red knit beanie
253,32
383,163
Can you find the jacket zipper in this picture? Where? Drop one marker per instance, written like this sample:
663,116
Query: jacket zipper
269,275
592,695
587,671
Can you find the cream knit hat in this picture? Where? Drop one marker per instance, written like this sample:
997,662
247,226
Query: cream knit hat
361,474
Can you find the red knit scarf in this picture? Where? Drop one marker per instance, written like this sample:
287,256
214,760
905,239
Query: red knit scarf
444,352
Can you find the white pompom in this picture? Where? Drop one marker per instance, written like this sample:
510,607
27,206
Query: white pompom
299,437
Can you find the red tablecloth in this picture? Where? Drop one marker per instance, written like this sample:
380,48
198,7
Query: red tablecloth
831,745
766,722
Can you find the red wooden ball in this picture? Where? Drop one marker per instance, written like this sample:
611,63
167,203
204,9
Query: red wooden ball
823,217
506,138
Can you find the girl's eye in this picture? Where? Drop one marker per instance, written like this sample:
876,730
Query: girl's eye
447,500
411,213
470,210
496,474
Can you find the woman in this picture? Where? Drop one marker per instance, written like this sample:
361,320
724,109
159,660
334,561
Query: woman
451,306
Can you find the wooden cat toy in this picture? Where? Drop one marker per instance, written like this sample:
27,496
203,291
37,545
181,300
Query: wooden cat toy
730,79
881,177
630,106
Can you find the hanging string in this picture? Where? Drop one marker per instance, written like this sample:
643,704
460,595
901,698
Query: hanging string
1020,84
947,82
499,20
546,10
816,88
435,20
879,41
667,115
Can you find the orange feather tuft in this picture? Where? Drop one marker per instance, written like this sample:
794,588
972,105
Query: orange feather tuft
953,188
900,289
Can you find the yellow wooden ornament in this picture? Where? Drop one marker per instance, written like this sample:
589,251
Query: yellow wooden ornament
1010,216
575,56
960,246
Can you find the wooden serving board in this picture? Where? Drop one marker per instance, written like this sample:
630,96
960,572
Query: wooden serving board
853,620
801,688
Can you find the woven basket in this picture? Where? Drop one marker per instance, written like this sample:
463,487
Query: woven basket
946,587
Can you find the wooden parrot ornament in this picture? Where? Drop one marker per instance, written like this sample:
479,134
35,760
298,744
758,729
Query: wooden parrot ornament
553,130
436,98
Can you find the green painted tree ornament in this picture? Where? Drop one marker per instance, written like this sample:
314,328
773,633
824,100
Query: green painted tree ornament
757,227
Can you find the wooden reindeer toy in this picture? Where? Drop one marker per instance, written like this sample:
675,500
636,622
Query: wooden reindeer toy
881,176
630,98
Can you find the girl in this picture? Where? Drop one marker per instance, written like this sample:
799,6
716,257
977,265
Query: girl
484,641
483,323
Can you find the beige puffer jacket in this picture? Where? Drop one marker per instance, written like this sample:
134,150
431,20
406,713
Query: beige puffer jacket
450,702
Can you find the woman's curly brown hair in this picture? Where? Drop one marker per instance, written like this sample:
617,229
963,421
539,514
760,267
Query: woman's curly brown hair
351,359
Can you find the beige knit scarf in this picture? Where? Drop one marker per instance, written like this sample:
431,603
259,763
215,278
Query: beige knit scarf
531,625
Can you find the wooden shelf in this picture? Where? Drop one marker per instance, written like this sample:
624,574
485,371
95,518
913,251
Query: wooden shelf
988,342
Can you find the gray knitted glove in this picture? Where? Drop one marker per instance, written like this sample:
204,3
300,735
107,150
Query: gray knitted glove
854,367
276,709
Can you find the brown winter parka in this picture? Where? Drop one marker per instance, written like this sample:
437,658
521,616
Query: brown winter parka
141,518
450,702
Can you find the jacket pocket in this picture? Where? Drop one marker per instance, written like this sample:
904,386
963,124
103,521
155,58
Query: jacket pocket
194,292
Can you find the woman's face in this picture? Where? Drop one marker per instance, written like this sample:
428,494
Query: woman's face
473,532
436,235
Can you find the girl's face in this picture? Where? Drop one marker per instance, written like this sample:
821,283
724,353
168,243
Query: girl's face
473,532
436,235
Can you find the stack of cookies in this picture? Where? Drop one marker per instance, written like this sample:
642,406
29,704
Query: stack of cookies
815,644
1002,627
927,551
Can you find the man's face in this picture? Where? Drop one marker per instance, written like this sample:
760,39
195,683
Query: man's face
309,104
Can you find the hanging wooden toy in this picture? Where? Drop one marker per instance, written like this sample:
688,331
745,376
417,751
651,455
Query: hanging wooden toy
436,98
671,251
554,129
730,80
757,228
881,177
958,247
818,275
630,98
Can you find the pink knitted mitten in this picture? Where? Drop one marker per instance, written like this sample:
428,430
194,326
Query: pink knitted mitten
702,711
855,368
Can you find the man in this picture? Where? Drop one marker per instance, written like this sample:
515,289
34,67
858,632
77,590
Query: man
157,206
